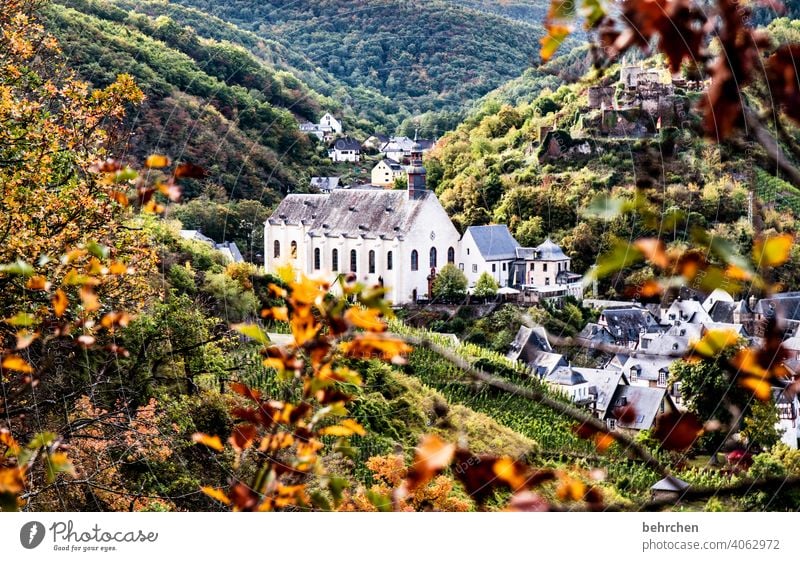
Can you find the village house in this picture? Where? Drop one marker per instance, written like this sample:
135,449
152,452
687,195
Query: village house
489,249
626,324
345,150
325,184
399,239
386,172
327,128
399,148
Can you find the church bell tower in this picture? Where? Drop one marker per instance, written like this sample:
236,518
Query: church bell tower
416,172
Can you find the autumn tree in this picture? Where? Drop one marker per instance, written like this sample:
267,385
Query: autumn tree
450,283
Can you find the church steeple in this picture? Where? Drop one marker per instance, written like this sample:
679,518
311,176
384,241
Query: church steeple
416,172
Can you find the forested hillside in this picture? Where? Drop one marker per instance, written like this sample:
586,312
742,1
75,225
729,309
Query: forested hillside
207,101
423,55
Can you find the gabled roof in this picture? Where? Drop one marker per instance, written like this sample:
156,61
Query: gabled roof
565,376
670,484
196,235
721,311
786,305
647,368
354,212
645,402
347,143
325,183
544,363
549,251
627,323
528,342
604,382
595,333
494,242
393,164
231,251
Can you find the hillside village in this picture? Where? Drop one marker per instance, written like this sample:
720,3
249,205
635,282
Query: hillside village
401,238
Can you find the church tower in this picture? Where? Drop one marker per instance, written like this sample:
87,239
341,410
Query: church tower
416,172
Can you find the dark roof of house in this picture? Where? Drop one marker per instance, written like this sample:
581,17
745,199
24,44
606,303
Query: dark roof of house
528,342
595,333
549,251
645,401
325,183
566,376
543,363
627,323
603,383
395,165
647,368
347,143
722,312
494,242
687,310
353,212
786,305
670,484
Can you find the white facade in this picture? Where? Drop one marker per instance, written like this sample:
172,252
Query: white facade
338,155
326,129
473,263
386,172
371,233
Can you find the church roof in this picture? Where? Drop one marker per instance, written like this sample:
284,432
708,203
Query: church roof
548,251
353,212
494,242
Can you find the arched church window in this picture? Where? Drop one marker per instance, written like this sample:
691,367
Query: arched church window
389,261
276,249
451,255
293,250
353,260
317,259
371,261
414,260
335,260
433,257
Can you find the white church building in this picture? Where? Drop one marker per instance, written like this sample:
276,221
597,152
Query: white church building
396,238
399,239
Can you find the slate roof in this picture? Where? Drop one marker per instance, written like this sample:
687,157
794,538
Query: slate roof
549,251
394,165
645,401
648,368
691,311
528,342
565,376
786,304
603,383
670,484
544,363
626,323
347,143
722,312
325,183
595,333
353,212
231,251
494,242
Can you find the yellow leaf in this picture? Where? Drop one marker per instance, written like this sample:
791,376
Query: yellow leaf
16,363
252,331
156,161
216,494
714,342
347,427
550,42
368,319
773,251
212,442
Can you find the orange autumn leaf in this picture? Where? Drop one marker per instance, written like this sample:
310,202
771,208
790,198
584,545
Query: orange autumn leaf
369,319
91,302
570,489
430,457
212,442
38,282
60,303
654,251
12,480
117,268
216,494
156,161
510,471
242,437
347,427
17,364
